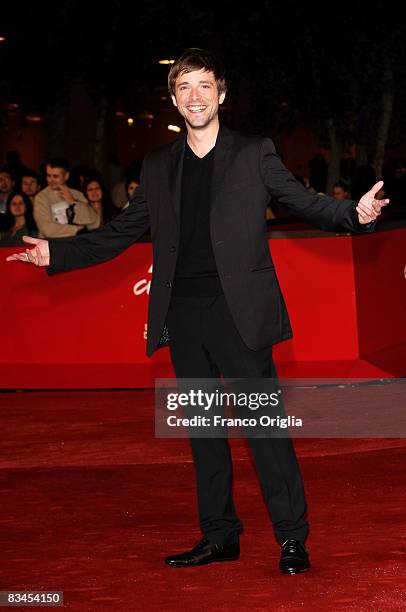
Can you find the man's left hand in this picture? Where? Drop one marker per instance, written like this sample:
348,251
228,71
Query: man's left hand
369,208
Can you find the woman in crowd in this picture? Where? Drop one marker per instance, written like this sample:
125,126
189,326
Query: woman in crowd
18,220
131,185
99,200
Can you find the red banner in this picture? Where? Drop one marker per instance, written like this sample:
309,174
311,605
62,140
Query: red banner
87,328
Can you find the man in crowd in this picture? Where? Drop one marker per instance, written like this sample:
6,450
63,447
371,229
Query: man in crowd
30,184
6,187
341,191
60,211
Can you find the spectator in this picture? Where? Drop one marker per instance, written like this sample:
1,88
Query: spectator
19,220
396,184
115,171
98,199
131,185
318,173
60,211
6,187
347,170
15,166
31,184
341,191
119,193
78,175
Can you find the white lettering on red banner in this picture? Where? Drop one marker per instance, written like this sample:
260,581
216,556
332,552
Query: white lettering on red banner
143,285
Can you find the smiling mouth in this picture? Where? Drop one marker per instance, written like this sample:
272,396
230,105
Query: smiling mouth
196,109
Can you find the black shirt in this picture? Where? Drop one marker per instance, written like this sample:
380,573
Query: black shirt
196,272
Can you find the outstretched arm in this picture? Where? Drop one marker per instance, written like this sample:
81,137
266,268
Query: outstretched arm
322,211
93,248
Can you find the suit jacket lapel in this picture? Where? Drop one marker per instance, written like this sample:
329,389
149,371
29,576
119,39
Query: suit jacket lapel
175,175
221,161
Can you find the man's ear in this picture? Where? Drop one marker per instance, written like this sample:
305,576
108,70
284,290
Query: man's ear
222,97
66,176
174,101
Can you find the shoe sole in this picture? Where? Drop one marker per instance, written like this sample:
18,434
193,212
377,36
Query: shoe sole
300,571
203,562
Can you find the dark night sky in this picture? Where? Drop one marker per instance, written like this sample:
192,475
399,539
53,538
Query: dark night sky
286,61
283,49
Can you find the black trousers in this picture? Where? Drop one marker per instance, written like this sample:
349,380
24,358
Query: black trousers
204,343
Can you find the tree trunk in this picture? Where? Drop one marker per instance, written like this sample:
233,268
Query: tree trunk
361,152
56,123
101,145
388,96
336,145
99,160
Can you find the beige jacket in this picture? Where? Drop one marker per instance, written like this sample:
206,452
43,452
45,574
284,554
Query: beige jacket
46,202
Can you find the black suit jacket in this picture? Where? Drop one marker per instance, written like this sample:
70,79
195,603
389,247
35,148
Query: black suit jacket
247,171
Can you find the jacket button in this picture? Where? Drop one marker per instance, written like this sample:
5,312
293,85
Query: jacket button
173,249
168,284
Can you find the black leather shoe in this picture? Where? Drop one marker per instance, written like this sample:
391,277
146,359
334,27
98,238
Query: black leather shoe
205,552
294,557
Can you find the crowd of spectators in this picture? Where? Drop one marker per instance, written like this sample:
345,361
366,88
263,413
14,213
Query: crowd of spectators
357,180
354,182
57,201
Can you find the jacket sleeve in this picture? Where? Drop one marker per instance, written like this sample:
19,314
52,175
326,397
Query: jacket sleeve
103,243
322,211
45,223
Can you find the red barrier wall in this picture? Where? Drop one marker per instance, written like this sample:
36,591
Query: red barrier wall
86,328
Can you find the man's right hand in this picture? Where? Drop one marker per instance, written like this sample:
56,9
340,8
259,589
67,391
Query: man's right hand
39,255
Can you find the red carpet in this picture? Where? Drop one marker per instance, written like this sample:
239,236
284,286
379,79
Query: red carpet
92,502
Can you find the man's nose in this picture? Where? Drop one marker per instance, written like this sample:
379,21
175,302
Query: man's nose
194,94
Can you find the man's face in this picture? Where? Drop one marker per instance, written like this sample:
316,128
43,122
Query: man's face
131,189
340,194
30,185
197,98
56,177
6,182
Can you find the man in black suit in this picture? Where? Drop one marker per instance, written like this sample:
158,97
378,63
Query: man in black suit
214,294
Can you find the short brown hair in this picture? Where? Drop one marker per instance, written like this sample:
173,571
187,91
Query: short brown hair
196,59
